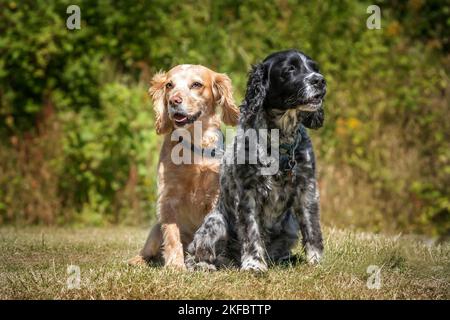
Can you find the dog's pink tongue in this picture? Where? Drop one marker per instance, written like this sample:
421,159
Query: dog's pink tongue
180,118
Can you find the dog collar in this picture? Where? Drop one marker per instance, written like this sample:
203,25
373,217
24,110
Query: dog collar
287,153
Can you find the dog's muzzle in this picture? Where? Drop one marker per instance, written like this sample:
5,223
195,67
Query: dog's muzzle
182,118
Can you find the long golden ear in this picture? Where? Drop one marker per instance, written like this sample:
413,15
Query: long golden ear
156,91
223,94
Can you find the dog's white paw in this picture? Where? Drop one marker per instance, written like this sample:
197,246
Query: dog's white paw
313,255
253,265
204,266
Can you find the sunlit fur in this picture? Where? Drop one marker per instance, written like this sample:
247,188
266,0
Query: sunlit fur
186,192
258,218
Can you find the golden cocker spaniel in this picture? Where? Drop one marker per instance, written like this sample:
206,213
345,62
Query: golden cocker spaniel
186,192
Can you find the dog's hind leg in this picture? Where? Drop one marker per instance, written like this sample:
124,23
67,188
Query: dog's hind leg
152,247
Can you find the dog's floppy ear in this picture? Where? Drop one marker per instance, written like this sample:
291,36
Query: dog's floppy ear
313,120
157,91
223,93
255,94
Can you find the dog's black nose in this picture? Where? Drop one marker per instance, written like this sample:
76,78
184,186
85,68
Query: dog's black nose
317,80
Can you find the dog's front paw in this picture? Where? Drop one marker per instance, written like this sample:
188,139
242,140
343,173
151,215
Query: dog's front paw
202,266
254,265
174,262
313,255
199,258
189,261
176,265
201,252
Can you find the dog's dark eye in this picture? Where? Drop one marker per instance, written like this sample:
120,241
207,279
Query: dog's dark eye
196,85
169,85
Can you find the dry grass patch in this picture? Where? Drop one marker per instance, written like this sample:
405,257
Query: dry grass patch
34,261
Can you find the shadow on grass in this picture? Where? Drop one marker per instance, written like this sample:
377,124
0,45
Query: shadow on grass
155,262
289,262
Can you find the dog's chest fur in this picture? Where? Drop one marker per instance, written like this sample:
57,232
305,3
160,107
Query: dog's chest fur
279,198
274,195
190,190
281,187
287,123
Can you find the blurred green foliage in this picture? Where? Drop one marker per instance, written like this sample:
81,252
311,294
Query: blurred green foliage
78,127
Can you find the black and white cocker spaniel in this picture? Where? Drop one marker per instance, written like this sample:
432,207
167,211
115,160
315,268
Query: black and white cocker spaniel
258,216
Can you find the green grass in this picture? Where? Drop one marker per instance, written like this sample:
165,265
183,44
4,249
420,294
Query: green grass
33,265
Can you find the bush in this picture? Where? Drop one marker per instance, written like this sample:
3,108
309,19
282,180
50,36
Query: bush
110,156
383,153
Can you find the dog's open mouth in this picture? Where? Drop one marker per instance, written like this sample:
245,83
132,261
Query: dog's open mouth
312,104
316,100
182,119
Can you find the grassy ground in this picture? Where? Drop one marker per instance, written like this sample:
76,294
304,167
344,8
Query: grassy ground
34,261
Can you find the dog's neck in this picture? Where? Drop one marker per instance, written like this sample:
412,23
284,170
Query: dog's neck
287,121
207,134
